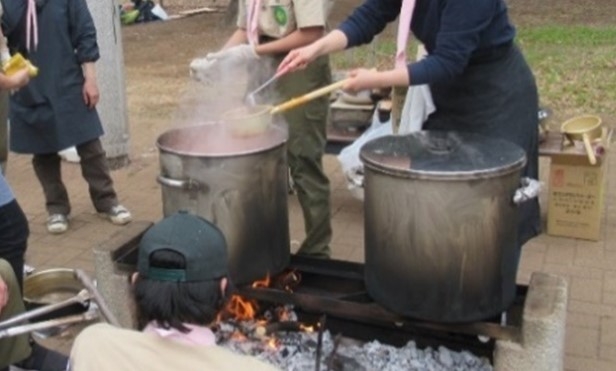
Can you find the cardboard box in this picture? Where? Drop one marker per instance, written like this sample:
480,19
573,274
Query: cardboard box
575,203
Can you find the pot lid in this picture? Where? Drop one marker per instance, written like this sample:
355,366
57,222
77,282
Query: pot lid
442,155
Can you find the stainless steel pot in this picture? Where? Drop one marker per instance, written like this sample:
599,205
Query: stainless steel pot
238,183
440,224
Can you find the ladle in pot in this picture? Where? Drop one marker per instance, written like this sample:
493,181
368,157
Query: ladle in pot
254,120
250,97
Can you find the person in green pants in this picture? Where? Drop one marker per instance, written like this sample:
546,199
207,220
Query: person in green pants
21,350
267,31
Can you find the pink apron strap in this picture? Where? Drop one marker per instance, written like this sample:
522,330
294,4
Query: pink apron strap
404,27
253,22
31,26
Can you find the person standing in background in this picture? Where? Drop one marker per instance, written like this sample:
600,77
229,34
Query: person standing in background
267,30
57,110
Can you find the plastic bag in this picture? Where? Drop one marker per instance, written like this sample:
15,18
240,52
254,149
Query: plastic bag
352,167
418,105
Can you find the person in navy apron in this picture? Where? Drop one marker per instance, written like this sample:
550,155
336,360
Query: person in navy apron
479,79
57,109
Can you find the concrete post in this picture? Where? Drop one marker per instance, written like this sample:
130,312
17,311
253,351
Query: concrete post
110,75
542,343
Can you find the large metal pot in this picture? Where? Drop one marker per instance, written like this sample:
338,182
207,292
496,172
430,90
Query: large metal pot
238,183
440,224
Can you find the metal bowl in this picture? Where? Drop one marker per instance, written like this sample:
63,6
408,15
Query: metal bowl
50,287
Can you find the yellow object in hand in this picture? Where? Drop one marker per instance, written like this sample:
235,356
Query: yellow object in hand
17,63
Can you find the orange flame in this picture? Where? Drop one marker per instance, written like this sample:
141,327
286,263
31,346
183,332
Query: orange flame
307,328
262,283
241,309
244,309
272,343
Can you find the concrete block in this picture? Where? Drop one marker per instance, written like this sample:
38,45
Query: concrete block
112,278
542,338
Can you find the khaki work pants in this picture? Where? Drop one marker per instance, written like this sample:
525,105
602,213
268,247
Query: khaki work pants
16,348
306,146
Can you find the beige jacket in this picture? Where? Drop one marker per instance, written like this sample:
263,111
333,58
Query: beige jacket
102,347
278,18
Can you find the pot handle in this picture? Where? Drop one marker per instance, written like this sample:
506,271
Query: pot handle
189,184
530,188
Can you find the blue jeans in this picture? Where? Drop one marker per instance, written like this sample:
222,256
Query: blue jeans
14,234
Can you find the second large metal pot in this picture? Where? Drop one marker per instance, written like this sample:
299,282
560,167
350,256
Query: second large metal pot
238,183
440,224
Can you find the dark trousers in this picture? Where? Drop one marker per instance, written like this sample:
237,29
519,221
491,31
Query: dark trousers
95,171
14,234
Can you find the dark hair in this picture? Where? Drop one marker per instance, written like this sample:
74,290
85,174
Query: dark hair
171,304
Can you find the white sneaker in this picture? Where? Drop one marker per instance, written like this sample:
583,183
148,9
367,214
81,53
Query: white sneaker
118,215
57,223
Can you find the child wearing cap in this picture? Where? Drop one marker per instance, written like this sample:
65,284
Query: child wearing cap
179,288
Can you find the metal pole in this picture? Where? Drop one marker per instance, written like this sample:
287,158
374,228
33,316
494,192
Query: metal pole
82,297
96,295
18,330
110,76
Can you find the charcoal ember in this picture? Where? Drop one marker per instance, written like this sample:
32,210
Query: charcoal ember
444,357
342,363
296,350
469,359
285,313
291,339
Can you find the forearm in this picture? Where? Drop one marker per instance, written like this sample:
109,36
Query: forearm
238,37
385,79
334,41
89,71
395,77
296,39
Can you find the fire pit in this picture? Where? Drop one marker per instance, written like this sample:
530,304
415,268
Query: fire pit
355,332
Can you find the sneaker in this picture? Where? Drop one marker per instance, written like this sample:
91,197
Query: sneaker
118,215
57,223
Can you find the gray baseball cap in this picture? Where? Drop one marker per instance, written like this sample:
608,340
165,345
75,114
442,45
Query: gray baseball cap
200,242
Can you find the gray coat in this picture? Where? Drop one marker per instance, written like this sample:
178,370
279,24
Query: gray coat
49,114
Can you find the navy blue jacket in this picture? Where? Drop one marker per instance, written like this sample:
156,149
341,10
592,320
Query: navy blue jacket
454,32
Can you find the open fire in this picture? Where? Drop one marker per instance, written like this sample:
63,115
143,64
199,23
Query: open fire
274,334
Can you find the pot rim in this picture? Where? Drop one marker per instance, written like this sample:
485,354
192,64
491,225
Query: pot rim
450,176
371,152
246,152
62,273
